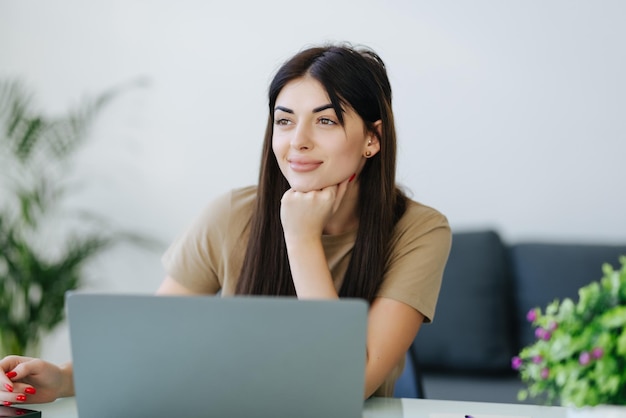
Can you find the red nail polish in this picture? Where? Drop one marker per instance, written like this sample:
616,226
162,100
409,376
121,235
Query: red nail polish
352,177
20,398
6,403
8,387
11,374
30,391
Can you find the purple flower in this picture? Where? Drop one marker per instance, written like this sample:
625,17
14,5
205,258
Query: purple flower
545,372
531,315
516,363
537,359
584,358
597,352
553,326
542,334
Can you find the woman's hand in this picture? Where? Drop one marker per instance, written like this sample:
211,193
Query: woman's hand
305,214
31,380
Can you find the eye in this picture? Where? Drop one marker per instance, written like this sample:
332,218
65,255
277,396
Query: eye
282,122
326,121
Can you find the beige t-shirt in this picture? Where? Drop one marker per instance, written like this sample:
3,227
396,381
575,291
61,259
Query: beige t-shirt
209,255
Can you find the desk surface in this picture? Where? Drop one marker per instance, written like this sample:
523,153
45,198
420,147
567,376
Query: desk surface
382,408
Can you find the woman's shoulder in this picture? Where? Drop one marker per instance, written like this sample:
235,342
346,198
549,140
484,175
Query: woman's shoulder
419,214
243,198
233,201
420,220
226,209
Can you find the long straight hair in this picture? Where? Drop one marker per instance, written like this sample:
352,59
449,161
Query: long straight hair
354,78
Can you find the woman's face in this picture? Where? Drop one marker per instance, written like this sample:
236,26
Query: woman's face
312,149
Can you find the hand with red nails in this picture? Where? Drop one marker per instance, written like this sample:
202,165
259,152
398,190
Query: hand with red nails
30,380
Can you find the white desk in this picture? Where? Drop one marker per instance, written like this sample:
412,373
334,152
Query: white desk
423,408
379,408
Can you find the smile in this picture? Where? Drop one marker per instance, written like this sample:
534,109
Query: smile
303,166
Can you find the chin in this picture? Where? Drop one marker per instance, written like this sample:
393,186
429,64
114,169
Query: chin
304,187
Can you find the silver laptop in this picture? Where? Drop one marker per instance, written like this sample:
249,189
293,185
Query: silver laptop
159,356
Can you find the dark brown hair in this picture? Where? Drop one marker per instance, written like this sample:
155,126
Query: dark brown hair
354,77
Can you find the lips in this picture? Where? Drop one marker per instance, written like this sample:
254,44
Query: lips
303,165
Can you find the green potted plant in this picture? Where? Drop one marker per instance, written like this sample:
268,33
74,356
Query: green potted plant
579,358
42,252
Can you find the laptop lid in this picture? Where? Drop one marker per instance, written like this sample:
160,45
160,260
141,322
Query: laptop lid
178,356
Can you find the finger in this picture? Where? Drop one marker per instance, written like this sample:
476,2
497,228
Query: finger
22,374
7,395
18,393
9,363
288,193
27,368
6,384
24,388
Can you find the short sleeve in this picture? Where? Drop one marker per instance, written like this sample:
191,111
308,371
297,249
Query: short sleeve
419,251
194,258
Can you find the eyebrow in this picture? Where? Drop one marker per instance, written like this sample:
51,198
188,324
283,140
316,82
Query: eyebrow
317,109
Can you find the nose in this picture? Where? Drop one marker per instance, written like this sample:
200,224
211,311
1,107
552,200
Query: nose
301,139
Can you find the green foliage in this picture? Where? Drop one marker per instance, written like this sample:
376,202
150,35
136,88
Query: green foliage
579,358
35,155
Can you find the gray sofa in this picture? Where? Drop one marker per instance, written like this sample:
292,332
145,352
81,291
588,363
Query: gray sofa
480,323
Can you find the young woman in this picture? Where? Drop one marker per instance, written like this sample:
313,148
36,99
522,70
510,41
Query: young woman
325,221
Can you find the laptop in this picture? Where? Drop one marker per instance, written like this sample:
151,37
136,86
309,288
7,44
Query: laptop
150,356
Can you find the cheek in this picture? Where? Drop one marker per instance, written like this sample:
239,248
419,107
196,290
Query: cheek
278,146
349,155
347,160
351,151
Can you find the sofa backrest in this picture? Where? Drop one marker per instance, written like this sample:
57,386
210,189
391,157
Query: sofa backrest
473,325
489,287
544,272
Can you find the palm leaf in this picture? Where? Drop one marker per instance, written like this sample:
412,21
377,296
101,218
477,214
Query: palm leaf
35,149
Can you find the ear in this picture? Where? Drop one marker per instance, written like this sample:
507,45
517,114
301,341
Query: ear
372,146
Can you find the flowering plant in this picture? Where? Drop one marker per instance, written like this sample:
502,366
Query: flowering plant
579,358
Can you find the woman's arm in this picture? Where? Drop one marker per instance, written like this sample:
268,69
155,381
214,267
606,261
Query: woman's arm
391,328
170,286
304,217
392,325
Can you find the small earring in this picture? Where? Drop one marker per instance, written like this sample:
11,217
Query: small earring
368,154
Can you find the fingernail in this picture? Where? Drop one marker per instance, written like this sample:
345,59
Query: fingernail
11,374
8,387
30,391
352,177
20,398
6,403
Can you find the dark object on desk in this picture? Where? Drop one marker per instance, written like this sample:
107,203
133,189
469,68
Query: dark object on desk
480,324
10,411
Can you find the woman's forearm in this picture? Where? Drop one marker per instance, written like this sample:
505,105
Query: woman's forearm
309,269
67,381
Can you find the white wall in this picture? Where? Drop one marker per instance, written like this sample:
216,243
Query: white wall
510,113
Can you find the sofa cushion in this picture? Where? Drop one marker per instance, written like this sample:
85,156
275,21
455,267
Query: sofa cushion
472,330
544,272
